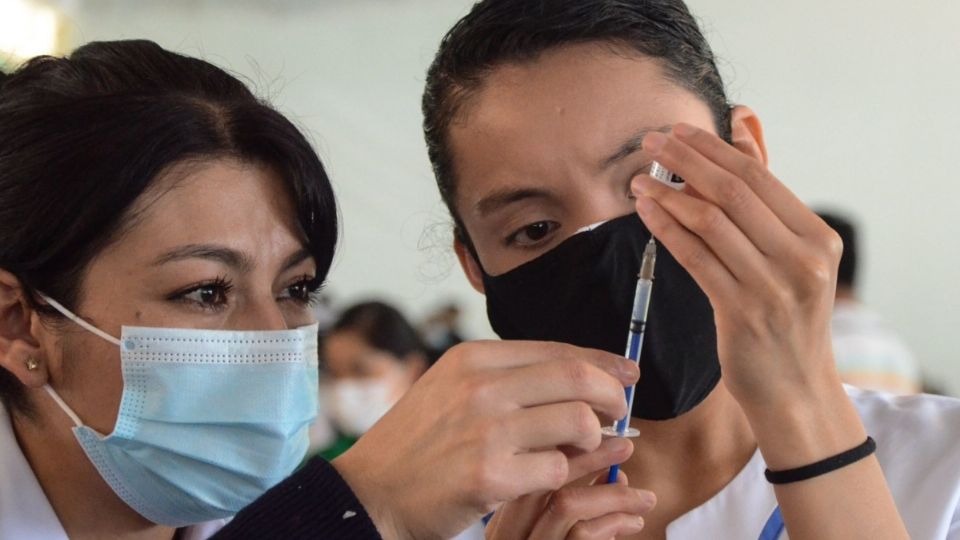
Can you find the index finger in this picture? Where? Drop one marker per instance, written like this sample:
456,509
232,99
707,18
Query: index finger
515,353
790,209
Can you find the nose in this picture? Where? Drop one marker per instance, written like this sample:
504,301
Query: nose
262,314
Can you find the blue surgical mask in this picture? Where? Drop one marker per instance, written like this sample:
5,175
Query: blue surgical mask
209,419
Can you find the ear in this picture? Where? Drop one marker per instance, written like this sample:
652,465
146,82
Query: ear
748,133
470,265
20,351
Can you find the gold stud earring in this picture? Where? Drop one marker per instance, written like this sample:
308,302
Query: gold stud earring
32,363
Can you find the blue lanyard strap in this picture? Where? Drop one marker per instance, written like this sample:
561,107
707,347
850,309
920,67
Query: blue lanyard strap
774,527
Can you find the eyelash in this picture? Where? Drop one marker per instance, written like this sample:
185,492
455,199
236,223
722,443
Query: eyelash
312,285
222,286
511,240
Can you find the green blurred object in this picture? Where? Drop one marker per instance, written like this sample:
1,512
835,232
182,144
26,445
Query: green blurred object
339,446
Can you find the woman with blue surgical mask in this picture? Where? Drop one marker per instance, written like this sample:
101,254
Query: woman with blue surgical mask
162,233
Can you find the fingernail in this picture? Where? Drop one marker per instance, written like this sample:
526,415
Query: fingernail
618,445
654,142
684,130
640,522
629,370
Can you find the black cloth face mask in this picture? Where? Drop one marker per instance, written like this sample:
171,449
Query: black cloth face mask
581,293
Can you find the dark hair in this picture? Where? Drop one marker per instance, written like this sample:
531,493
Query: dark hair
82,137
847,272
498,32
383,327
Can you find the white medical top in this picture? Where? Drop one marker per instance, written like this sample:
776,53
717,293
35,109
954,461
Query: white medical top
918,446
25,512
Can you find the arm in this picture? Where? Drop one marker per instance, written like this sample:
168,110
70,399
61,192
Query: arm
768,265
313,503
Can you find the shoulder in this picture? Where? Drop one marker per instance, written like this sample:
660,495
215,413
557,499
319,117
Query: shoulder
917,440
933,420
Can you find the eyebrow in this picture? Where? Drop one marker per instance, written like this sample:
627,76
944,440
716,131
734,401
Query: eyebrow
502,198
631,145
229,257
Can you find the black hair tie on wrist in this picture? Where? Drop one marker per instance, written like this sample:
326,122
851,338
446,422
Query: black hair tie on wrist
824,466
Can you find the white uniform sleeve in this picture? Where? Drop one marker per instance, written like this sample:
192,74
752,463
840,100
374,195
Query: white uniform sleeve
954,532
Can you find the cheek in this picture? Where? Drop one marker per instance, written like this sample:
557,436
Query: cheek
296,315
91,380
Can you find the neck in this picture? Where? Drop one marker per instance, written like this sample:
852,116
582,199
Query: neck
689,459
83,502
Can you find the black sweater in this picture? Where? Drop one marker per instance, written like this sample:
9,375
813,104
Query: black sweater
315,502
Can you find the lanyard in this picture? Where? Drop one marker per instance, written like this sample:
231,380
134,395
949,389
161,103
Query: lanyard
774,527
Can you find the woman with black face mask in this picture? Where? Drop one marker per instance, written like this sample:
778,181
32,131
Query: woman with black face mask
542,119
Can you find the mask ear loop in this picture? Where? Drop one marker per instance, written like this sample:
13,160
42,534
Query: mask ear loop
86,326
63,405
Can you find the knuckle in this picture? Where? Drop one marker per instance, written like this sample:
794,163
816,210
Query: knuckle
732,193
564,502
817,274
581,530
754,172
483,478
461,354
559,471
578,373
586,423
833,244
695,259
681,155
709,220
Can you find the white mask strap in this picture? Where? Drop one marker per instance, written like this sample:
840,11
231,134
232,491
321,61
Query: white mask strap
63,405
590,227
86,326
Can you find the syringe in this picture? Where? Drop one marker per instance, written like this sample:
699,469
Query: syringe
638,321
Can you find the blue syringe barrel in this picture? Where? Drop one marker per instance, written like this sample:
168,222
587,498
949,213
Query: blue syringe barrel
638,322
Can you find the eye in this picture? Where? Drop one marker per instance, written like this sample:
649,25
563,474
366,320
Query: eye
212,295
533,234
302,291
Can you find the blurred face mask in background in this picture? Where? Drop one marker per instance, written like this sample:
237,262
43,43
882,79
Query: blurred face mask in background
355,405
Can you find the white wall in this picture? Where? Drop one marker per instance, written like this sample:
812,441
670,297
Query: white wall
859,100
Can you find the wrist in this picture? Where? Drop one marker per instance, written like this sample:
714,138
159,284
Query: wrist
806,427
365,489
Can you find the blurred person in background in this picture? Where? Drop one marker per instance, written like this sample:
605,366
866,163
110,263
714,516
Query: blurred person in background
869,354
372,355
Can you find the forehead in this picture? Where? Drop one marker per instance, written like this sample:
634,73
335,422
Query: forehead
570,106
224,201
